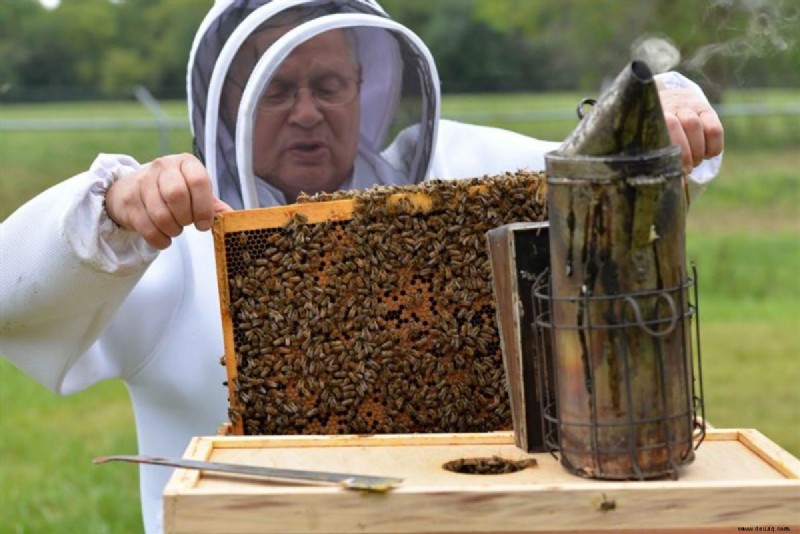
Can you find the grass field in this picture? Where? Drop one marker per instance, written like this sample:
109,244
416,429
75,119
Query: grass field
744,235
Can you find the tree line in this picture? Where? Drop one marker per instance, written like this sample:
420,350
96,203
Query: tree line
102,48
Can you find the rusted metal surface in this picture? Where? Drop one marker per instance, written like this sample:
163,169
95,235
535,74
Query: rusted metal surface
620,320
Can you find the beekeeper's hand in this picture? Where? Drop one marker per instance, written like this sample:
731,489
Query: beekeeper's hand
693,125
162,197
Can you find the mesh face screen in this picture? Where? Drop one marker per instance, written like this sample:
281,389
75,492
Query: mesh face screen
382,323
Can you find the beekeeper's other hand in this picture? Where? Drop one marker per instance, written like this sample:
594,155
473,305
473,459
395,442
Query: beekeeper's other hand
162,197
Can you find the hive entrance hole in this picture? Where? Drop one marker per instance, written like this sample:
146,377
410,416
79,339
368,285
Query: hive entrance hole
494,465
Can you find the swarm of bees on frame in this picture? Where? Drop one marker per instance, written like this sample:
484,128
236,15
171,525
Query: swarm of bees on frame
383,323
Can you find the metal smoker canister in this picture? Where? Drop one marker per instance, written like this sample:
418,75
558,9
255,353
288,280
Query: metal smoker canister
620,320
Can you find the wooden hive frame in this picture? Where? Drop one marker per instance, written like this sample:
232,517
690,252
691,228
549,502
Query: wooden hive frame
368,312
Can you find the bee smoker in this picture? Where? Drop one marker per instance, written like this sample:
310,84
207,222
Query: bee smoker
616,310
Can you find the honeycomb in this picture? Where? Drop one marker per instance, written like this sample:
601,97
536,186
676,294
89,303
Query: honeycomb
380,323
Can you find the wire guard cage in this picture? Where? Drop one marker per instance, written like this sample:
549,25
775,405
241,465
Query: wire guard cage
620,398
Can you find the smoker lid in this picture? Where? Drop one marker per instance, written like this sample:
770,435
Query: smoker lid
626,120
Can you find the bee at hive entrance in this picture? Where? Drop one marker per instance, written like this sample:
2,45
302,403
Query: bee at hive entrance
369,312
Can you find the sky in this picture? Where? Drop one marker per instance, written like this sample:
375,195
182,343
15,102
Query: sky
49,3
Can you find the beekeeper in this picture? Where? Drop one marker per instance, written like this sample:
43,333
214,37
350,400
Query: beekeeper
110,274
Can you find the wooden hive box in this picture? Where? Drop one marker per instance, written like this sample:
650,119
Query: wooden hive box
369,312
739,479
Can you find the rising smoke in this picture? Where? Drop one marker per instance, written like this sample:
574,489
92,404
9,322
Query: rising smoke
766,32
658,51
759,28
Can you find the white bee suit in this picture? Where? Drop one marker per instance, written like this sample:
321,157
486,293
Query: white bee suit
82,300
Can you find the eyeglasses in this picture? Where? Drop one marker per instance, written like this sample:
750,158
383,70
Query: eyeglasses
328,91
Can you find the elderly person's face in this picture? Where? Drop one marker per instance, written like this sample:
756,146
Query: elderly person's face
306,130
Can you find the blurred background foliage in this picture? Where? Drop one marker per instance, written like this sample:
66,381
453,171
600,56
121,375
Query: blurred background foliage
90,49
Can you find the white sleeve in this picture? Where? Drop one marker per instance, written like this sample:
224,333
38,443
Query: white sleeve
466,150
95,238
64,270
470,151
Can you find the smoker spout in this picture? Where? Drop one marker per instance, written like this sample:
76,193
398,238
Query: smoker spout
627,120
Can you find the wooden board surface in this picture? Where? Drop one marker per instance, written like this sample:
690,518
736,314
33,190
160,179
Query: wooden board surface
739,478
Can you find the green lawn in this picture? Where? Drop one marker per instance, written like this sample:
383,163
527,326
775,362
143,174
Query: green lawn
743,233
48,443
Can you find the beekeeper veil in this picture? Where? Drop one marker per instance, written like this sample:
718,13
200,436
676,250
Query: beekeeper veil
398,94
